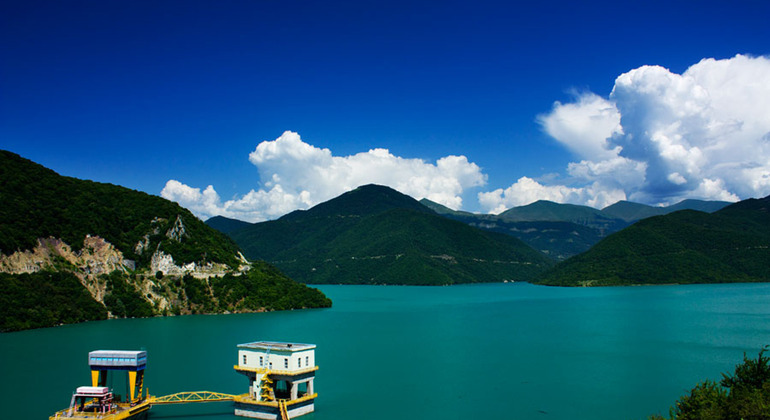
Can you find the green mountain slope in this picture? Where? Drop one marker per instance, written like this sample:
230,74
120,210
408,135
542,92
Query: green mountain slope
730,245
631,212
376,235
39,203
549,211
74,250
226,225
561,231
557,240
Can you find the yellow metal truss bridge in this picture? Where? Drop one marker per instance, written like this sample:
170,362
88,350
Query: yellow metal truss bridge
191,397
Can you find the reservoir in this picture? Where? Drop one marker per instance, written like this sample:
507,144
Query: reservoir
497,351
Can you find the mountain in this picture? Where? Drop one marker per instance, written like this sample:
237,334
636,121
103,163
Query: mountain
631,212
558,240
74,250
561,231
699,205
226,225
39,203
543,210
376,235
729,245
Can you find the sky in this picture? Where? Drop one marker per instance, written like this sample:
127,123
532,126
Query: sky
252,109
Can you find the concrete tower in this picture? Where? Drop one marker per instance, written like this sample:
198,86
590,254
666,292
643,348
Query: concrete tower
280,379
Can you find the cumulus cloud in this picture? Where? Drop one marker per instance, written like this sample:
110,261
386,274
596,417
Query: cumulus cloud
297,175
584,126
661,137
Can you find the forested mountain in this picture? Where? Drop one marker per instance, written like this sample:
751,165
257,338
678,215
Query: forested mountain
226,225
563,230
631,212
376,235
730,245
74,250
39,203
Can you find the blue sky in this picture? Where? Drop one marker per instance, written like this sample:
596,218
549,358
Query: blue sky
457,101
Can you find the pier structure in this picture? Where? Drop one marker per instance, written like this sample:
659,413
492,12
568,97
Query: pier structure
134,362
280,377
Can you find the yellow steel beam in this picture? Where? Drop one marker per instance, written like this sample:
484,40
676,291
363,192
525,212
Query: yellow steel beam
191,397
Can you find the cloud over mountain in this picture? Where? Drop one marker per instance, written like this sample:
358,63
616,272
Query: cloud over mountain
661,137
297,175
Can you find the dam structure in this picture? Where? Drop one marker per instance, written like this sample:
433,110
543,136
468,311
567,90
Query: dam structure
280,377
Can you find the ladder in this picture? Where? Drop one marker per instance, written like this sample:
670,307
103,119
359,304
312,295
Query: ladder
283,410
266,384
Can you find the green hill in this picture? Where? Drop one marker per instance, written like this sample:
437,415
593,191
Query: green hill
39,203
74,250
730,245
543,210
631,212
226,225
557,240
561,231
376,235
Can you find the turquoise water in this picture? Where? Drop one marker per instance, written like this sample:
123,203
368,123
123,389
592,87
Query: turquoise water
500,351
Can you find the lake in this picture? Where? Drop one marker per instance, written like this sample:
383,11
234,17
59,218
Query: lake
497,351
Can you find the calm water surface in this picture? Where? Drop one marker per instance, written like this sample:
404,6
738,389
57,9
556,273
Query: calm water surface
497,351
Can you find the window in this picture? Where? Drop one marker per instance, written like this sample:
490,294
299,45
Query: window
299,362
244,359
261,361
307,360
271,365
285,363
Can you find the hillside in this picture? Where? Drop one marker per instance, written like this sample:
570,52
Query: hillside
558,240
74,250
554,212
561,231
39,203
730,245
631,212
226,225
376,235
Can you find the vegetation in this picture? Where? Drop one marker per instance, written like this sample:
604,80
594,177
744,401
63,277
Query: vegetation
265,288
730,245
39,203
225,225
557,240
375,235
631,212
122,299
744,394
45,299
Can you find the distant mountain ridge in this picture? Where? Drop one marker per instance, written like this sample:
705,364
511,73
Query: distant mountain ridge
631,212
729,245
564,230
376,235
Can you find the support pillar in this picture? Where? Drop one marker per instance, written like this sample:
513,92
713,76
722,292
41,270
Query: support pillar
131,385
94,378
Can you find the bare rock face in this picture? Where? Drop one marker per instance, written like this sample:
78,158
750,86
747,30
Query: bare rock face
97,257
177,232
165,264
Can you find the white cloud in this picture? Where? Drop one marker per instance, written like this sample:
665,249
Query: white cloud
702,134
527,190
297,175
584,126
